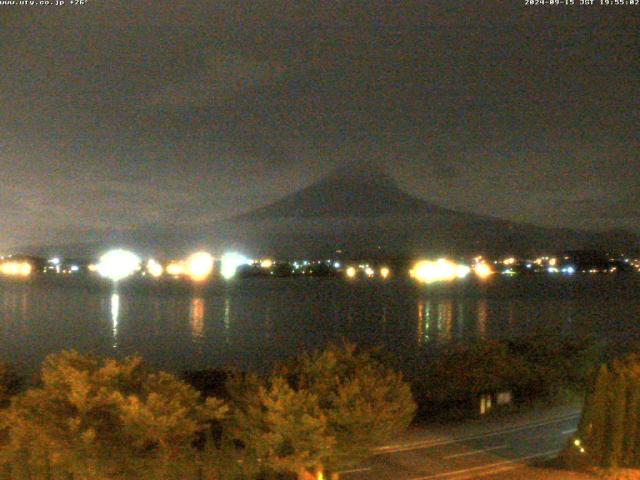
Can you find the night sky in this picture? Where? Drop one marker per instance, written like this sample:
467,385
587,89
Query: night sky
125,114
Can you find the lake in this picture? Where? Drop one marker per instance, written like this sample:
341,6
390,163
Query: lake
250,323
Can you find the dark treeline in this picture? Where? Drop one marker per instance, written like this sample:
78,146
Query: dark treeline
608,434
448,382
93,418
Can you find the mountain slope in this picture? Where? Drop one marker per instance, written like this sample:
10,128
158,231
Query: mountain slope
365,212
362,212
347,194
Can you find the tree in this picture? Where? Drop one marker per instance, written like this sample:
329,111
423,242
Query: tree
364,402
550,362
608,431
282,430
95,418
326,410
9,384
466,372
618,407
631,420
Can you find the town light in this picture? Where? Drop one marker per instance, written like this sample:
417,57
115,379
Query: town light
384,272
230,262
482,270
429,271
17,269
199,266
118,264
175,269
351,272
266,263
154,268
462,271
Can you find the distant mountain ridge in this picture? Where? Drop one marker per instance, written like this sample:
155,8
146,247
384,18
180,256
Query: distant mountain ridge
346,194
362,212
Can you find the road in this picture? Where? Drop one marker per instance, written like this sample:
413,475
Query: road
472,450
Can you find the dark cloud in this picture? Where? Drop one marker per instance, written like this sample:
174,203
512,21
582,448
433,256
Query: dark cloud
136,113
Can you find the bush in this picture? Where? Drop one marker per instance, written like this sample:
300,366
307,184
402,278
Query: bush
282,429
464,372
607,435
209,382
538,366
97,418
365,402
327,410
551,363
9,384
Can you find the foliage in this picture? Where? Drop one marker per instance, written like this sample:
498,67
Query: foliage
463,372
540,365
326,410
209,382
9,384
365,402
282,429
97,418
550,362
608,431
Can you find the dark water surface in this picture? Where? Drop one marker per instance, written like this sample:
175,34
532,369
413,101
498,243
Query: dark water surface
250,323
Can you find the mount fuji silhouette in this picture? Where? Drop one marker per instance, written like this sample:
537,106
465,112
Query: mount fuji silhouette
360,192
363,212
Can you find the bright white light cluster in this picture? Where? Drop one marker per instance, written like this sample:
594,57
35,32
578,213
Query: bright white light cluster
154,268
429,271
118,264
20,269
199,266
230,262
483,269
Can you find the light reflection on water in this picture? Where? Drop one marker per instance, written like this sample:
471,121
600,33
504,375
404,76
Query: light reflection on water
227,317
445,318
481,318
196,319
251,323
437,317
115,313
